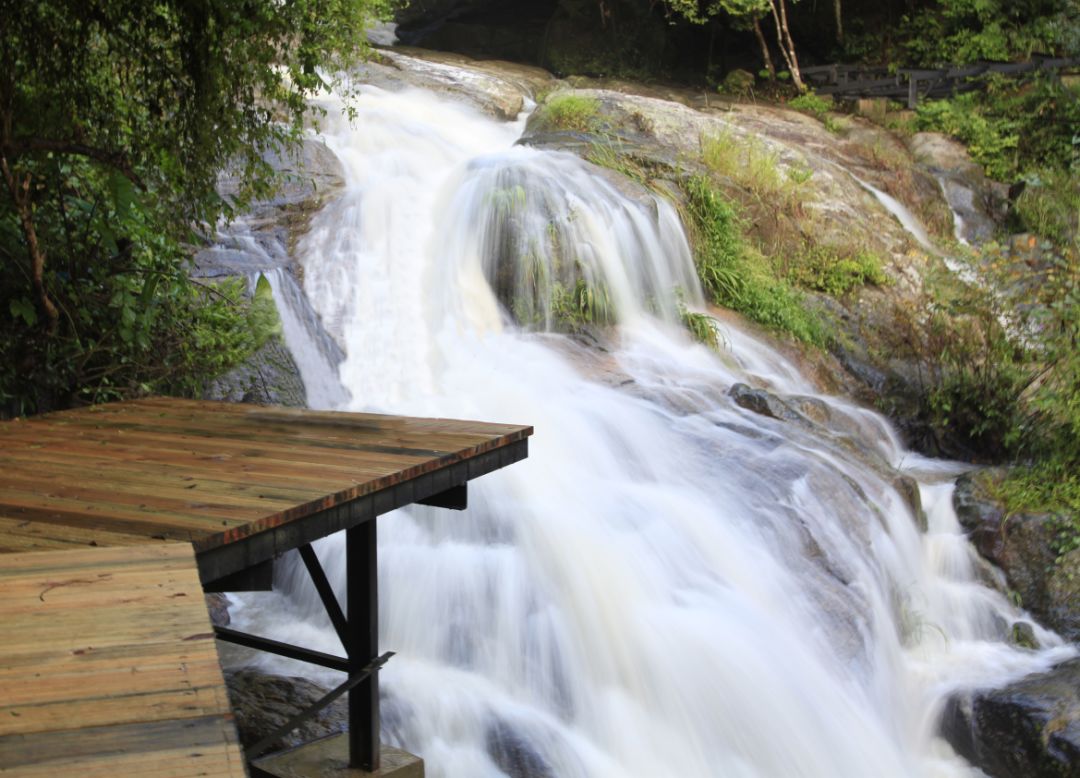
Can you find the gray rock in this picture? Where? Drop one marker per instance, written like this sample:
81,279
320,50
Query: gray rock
269,377
1023,634
908,488
514,754
764,403
217,605
966,189
261,703
1023,546
1030,728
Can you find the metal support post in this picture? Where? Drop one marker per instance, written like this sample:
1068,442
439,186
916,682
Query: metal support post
362,586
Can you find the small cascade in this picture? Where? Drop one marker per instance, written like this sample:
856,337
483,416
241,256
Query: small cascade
671,584
906,218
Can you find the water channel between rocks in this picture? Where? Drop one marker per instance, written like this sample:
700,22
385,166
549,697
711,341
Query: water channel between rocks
671,584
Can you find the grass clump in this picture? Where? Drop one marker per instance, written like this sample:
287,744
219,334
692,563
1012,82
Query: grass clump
835,271
1049,205
581,306
1048,487
736,276
757,168
701,327
817,106
566,111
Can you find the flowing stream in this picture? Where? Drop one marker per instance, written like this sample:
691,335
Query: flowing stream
670,585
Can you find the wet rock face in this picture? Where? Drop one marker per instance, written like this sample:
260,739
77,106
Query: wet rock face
262,703
269,377
1030,728
762,402
975,200
263,239
514,754
1023,546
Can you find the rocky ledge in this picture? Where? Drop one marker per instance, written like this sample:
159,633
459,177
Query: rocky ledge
1022,545
1030,728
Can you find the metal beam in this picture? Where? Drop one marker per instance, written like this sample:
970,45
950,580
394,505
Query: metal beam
220,561
326,592
283,649
362,584
456,498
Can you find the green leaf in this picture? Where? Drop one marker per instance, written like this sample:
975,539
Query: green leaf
22,308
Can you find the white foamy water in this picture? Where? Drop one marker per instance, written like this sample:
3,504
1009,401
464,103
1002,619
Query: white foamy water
670,585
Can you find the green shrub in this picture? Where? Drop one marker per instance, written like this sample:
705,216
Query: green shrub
751,164
702,327
1049,206
835,271
736,276
1043,112
581,306
565,111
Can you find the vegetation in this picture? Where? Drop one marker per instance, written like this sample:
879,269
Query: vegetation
1048,487
816,106
751,164
116,119
702,327
581,306
569,112
735,275
836,271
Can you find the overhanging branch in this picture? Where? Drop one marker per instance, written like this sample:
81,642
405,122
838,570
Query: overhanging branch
116,160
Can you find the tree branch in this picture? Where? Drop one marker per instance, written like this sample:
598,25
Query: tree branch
114,159
20,195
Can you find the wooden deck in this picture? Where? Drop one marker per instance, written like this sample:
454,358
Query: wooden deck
114,518
108,667
241,483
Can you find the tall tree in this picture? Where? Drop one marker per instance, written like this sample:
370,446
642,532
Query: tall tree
116,118
749,12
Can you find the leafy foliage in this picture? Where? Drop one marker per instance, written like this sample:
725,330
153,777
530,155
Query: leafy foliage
970,30
835,271
116,119
564,111
735,276
702,327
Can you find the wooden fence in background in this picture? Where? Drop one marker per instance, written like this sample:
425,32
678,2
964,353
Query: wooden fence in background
913,84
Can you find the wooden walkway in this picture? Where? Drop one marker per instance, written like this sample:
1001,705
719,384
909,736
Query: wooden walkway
242,483
914,84
233,486
108,667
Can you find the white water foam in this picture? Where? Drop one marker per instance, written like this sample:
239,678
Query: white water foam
670,585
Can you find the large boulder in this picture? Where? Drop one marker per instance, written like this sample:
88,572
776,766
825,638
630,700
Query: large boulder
262,703
975,200
1023,546
1029,729
264,239
848,188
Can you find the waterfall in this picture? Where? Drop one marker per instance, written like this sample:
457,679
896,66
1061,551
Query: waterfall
670,584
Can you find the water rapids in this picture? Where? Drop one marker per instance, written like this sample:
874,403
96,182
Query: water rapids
670,585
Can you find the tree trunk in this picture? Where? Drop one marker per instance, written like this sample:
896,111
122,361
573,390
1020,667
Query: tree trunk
839,22
20,195
787,45
769,66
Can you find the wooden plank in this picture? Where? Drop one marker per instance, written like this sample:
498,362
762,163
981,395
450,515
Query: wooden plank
108,666
212,473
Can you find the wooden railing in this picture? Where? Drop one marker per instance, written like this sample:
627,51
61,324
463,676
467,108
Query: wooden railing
914,84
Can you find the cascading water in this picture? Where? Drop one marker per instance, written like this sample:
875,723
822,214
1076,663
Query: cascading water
670,585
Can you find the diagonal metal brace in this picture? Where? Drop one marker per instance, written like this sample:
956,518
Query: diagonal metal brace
282,649
257,749
326,592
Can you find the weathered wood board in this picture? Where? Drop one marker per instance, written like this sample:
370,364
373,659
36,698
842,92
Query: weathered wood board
209,473
108,666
